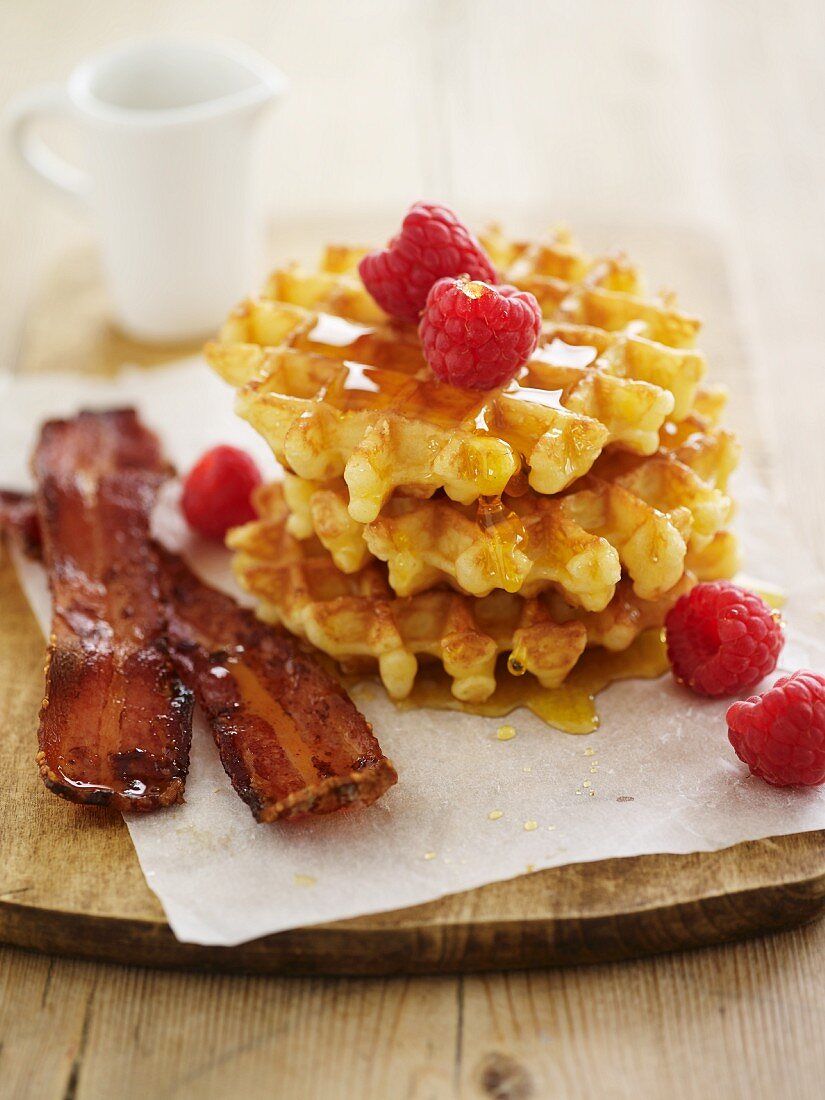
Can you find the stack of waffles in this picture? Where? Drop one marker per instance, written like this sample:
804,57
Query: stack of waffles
498,532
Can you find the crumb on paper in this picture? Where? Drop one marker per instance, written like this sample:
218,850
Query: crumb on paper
589,751
429,855
625,798
587,783
210,842
551,828
303,880
530,826
529,868
506,733
494,815
527,768
592,794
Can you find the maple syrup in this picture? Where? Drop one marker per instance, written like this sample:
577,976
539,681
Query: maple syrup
363,385
386,346
570,707
549,399
558,353
332,331
359,386
506,534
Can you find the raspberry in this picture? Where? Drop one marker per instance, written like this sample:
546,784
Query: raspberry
780,735
722,639
476,335
432,243
217,490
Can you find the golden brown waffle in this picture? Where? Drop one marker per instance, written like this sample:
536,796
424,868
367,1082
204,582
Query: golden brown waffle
643,521
607,292
340,391
418,521
358,620
384,430
267,323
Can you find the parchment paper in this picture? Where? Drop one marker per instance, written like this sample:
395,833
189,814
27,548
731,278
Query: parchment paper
658,776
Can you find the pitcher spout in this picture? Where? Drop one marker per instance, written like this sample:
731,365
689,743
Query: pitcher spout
267,82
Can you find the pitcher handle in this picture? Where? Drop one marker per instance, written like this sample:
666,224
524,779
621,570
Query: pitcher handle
42,161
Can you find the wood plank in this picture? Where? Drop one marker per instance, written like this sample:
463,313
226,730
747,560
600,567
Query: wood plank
744,1020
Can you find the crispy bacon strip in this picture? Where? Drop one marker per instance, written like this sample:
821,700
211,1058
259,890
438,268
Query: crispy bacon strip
289,737
115,724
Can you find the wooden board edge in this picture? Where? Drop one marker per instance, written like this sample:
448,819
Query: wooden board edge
465,946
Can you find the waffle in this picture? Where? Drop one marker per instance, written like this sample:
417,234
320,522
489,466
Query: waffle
606,292
420,522
338,390
636,336
384,431
357,619
265,323
645,521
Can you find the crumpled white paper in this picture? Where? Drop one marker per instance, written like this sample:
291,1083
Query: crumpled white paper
658,776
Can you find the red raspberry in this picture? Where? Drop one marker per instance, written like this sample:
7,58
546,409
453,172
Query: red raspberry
217,490
476,335
781,735
722,639
432,243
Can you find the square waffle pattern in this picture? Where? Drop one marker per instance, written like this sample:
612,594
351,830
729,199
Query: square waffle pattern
421,522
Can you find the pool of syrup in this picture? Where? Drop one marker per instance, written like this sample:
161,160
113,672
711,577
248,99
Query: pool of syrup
571,707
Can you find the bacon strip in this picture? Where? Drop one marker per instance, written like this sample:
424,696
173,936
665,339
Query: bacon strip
289,737
115,724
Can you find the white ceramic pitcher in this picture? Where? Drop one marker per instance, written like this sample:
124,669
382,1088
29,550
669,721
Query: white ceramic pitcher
168,176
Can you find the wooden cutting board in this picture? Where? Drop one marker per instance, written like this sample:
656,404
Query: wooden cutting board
70,882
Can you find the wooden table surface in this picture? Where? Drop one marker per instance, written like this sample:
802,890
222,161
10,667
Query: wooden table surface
679,111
